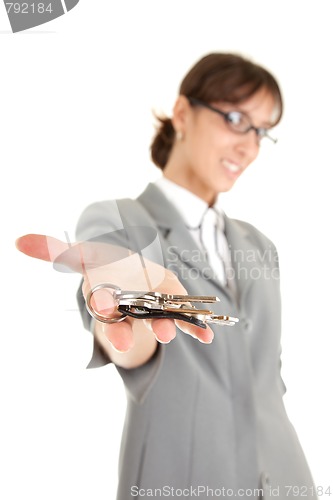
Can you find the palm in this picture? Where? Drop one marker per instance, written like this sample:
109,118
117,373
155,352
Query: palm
101,262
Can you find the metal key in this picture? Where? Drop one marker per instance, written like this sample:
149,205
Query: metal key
149,305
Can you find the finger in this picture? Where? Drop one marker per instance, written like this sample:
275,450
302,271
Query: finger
204,335
120,335
164,330
51,249
41,246
78,257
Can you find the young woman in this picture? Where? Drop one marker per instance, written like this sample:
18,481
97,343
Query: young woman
204,418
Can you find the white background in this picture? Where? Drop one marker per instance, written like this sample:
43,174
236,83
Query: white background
76,104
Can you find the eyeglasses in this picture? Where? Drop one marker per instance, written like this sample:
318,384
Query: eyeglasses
236,120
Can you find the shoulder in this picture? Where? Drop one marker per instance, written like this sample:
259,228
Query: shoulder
252,233
109,215
109,208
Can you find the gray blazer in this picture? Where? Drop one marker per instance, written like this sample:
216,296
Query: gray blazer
204,419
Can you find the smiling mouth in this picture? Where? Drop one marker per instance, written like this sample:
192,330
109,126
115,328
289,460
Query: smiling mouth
232,167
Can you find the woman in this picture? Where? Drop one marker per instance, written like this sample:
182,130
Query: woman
204,418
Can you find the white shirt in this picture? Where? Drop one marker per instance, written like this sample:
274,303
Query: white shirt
205,223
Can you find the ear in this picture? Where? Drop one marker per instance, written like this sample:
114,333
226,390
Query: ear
181,111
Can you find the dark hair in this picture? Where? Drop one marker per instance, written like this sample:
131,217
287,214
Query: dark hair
216,77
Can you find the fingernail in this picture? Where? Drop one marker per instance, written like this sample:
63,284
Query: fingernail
162,341
147,324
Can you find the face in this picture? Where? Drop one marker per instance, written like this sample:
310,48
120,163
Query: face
210,157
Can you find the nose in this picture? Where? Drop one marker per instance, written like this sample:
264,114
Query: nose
248,144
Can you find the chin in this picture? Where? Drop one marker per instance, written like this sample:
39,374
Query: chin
226,186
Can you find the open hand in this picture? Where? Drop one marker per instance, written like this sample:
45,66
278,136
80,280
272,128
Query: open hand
102,262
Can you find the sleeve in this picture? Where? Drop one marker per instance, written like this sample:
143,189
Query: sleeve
124,223
138,381
99,358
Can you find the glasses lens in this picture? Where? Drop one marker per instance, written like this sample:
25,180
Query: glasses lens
238,121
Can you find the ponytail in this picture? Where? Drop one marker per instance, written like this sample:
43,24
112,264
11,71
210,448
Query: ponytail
162,142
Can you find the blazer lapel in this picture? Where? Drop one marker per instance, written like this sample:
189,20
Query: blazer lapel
242,253
178,238
170,222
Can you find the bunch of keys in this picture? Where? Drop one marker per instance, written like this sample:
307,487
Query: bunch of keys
150,305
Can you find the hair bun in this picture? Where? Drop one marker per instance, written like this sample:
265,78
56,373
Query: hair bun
162,143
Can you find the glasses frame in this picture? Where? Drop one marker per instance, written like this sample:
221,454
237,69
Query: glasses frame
260,131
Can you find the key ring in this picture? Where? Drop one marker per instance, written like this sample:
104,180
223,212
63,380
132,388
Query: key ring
150,305
103,318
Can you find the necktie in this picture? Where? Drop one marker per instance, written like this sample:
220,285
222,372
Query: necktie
215,244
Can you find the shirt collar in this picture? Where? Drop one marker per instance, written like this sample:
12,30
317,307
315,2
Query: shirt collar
191,207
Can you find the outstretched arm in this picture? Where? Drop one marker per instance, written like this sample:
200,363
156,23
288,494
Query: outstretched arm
132,342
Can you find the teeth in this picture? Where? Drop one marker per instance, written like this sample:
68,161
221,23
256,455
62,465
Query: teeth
231,166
